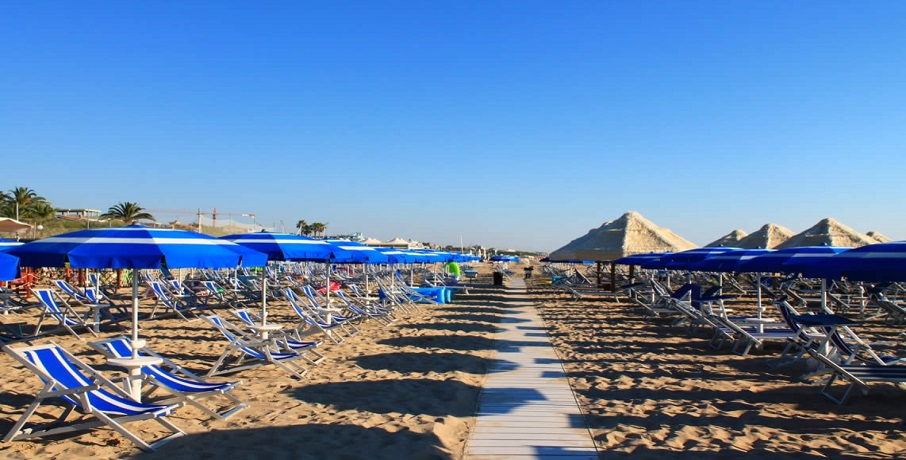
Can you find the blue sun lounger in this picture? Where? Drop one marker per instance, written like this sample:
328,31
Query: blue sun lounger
66,377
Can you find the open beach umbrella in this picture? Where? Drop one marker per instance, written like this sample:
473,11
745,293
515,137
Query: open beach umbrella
876,262
789,260
9,267
729,261
684,260
639,259
6,244
135,247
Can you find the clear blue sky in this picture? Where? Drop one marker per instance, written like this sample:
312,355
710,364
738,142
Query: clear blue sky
510,123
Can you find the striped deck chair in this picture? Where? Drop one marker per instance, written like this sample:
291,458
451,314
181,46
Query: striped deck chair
179,383
284,339
375,312
62,312
70,290
312,322
857,376
246,352
163,296
81,387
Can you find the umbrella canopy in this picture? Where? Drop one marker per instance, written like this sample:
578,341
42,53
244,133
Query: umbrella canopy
878,236
788,260
356,253
684,260
9,267
640,259
8,244
283,246
137,247
876,262
504,258
728,261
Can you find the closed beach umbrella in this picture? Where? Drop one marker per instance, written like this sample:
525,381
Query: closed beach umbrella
135,247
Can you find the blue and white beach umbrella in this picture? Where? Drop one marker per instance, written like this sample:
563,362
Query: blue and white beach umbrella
639,259
729,261
135,247
875,262
9,267
685,259
789,260
284,246
6,244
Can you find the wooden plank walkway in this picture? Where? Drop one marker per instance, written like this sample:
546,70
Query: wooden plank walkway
526,409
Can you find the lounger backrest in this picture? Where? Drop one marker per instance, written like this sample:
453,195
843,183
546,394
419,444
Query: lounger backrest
46,297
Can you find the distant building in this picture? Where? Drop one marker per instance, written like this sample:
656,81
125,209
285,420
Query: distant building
79,213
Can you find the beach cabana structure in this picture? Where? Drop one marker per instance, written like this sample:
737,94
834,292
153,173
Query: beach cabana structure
12,225
628,235
828,232
769,236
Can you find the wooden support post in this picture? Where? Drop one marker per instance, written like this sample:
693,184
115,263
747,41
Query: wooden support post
613,277
598,273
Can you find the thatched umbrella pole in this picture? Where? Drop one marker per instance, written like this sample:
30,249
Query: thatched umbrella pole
631,272
598,273
613,277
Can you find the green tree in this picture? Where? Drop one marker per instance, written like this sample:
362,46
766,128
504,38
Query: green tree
302,226
318,228
20,200
127,212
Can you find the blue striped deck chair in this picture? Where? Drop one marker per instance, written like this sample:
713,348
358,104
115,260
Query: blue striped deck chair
857,376
181,384
312,322
81,387
246,352
374,312
70,290
332,314
282,338
62,312
162,296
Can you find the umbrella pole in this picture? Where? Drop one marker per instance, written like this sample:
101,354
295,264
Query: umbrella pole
758,294
264,295
135,345
327,293
824,295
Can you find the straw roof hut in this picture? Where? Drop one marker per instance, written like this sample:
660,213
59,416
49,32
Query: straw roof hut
628,235
828,232
878,236
729,239
769,236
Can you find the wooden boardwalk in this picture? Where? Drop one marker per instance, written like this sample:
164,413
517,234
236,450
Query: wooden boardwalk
526,408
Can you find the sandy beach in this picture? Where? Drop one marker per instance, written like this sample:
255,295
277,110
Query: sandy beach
652,390
410,390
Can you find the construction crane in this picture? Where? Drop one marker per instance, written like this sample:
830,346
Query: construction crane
199,213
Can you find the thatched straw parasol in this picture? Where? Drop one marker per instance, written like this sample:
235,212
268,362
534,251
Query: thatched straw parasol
729,239
769,236
828,232
628,235
878,236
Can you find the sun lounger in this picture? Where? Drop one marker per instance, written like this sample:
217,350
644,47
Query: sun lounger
180,384
79,386
857,376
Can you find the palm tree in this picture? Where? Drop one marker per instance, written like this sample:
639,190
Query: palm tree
318,227
302,226
127,212
20,199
